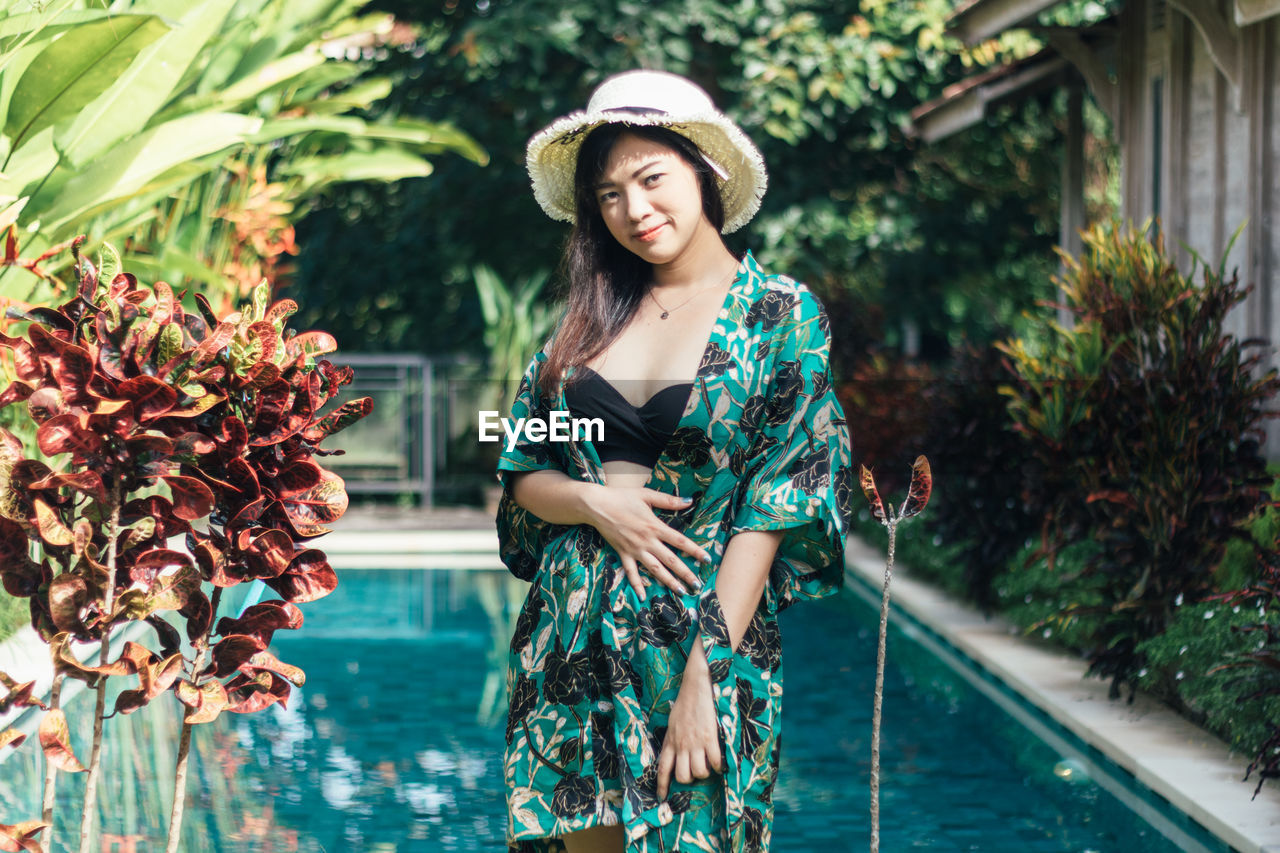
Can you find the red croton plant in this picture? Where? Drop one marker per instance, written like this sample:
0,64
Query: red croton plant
184,450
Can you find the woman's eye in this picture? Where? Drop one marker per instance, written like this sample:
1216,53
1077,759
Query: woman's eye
607,196
650,180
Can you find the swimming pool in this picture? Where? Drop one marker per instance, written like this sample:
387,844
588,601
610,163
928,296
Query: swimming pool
395,743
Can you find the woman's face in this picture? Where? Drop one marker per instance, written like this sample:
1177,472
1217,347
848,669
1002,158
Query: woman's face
650,200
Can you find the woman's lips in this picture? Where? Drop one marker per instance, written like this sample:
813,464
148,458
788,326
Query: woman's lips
650,235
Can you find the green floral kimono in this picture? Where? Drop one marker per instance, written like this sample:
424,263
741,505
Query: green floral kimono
762,445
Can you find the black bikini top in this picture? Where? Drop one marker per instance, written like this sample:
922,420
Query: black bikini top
631,434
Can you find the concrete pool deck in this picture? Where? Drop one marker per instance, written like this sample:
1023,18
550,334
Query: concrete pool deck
1175,759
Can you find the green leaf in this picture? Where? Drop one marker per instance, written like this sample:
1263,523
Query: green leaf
386,165
128,167
174,261
75,69
108,265
143,87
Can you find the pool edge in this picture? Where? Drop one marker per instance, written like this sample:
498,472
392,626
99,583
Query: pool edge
1176,759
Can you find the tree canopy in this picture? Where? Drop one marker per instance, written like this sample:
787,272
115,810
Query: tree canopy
954,238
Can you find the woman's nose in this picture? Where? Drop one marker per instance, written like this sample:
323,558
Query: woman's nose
638,205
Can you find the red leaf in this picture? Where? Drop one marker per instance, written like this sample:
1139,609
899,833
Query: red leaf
18,572
20,837
240,475
868,483
263,620
148,565
208,349
198,612
72,370
264,660
151,398
232,652
265,333
1117,496
68,595
212,561
260,375
15,393
309,511
281,310
63,434
192,499
18,696
89,482
262,691
921,488
339,419
52,530
153,679
162,313
270,554
310,343
232,437
297,477
11,737
194,444
55,741
308,578
45,403
206,702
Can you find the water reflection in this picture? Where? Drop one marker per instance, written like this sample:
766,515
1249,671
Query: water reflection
391,745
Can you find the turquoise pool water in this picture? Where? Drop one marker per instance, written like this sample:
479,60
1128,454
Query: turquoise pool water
395,743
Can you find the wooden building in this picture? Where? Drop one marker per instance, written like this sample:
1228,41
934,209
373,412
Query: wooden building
1192,88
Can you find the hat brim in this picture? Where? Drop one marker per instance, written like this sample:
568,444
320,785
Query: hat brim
552,157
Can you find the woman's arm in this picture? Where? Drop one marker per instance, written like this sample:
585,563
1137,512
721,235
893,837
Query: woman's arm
692,745
624,516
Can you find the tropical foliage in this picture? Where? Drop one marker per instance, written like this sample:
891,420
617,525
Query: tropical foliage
961,233
1146,376
162,423
1103,485
192,131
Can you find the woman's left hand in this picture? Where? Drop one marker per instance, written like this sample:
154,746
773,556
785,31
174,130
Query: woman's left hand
692,745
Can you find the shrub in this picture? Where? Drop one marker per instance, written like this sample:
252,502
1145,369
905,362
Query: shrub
982,467
1203,664
156,423
885,400
1054,597
1146,417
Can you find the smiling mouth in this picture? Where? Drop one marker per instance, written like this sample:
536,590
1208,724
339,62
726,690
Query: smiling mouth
650,235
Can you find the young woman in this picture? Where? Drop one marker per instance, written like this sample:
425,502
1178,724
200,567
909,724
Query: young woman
645,675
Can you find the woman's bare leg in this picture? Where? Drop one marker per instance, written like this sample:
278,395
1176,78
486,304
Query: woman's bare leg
596,839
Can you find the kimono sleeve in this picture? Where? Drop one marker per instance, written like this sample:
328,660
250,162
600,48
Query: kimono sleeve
800,476
522,536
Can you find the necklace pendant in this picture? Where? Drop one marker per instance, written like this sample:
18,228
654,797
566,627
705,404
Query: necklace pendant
664,315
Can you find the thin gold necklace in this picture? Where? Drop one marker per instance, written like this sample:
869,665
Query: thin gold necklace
666,312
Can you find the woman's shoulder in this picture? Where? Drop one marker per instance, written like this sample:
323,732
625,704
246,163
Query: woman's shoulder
782,283
781,297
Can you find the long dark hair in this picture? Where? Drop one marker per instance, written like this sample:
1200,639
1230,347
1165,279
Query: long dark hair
607,280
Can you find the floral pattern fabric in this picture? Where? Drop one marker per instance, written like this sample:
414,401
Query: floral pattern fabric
762,445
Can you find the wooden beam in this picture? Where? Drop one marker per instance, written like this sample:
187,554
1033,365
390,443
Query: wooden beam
953,114
1070,46
979,20
1220,37
950,117
1252,11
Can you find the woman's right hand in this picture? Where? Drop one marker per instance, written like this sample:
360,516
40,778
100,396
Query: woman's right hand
624,516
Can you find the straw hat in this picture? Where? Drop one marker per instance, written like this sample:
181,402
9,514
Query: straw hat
649,98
